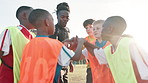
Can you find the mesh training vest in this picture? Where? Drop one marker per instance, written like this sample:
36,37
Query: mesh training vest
18,43
120,62
100,73
39,60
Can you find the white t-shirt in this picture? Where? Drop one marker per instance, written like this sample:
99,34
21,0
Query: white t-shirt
85,53
5,40
65,56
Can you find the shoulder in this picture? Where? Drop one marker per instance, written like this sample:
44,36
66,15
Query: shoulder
12,27
67,29
7,30
127,39
55,41
105,44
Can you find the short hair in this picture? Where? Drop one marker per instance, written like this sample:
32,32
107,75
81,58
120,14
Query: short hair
22,8
62,6
88,21
36,15
98,22
117,22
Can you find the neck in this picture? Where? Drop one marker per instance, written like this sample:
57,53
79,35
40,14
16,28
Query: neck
91,36
114,41
60,25
25,24
42,32
99,40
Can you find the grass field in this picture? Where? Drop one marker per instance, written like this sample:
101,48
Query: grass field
79,74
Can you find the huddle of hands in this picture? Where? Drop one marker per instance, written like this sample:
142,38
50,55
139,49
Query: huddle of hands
73,42
72,45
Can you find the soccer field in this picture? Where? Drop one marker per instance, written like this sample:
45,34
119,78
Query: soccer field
79,74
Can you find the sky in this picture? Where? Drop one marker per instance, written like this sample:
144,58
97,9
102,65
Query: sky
135,13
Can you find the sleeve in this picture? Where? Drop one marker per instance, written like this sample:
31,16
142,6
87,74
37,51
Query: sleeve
85,53
5,42
65,56
100,55
140,57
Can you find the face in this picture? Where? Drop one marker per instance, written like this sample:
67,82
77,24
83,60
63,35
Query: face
105,34
89,29
63,18
50,24
97,29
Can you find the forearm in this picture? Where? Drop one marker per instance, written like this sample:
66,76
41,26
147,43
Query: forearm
78,52
90,47
1,53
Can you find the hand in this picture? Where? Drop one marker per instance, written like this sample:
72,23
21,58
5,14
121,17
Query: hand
71,40
71,68
71,43
81,40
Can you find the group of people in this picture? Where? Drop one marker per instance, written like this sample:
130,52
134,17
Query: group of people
27,58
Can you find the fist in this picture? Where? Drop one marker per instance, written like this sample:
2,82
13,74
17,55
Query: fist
72,43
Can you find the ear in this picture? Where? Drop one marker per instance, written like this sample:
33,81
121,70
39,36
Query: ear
23,15
46,22
111,30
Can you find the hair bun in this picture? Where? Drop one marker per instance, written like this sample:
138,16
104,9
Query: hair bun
63,6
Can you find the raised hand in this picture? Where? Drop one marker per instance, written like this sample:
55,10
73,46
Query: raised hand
71,43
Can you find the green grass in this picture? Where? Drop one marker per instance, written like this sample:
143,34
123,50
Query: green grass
79,74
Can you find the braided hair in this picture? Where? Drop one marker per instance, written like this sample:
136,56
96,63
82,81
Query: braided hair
62,6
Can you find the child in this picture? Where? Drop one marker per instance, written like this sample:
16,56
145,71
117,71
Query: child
41,54
128,63
100,72
90,38
89,29
12,41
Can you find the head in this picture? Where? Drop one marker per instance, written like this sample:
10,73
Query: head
22,15
97,28
42,21
88,26
63,14
113,26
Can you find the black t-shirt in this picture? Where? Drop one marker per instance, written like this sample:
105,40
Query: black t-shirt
60,33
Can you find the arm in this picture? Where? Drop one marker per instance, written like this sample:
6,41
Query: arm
90,47
78,51
140,59
1,53
71,43
66,54
5,42
71,67
97,52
